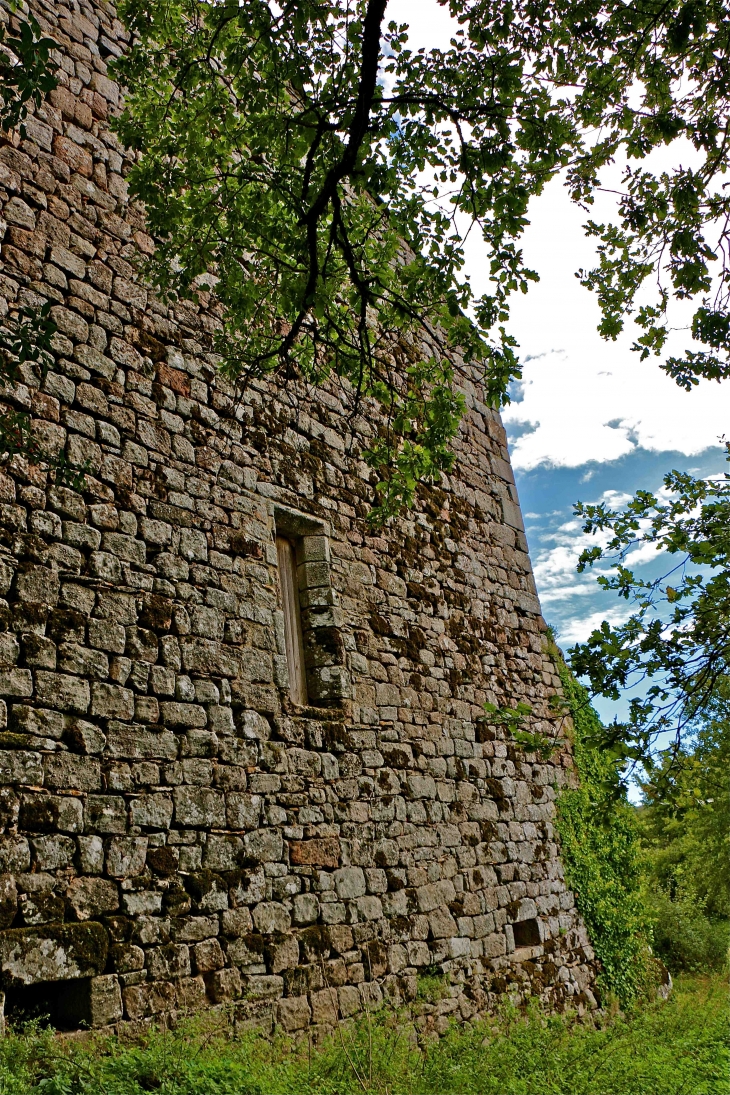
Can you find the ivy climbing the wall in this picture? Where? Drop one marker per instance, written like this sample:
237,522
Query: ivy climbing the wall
601,856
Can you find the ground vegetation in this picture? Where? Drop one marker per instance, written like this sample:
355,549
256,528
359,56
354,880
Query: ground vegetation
669,1046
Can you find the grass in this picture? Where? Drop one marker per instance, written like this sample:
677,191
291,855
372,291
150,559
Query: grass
678,1047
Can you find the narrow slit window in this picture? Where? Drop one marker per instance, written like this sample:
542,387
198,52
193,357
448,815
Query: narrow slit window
292,619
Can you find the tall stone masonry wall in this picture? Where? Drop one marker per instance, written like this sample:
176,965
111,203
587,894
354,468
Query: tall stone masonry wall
175,832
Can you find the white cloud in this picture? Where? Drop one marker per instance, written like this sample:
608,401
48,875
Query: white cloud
575,412
554,562
584,399
646,553
579,628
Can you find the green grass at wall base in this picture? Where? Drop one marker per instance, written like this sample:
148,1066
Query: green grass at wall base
675,1046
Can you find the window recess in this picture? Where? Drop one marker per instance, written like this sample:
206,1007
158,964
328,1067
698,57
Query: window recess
315,651
289,582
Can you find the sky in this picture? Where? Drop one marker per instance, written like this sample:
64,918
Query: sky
589,421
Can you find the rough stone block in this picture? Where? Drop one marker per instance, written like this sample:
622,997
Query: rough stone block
21,766
51,813
199,807
126,856
191,994
54,952
193,545
17,683
14,854
325,1006
271,916
64,692
321,852
264,845
105,1001
153,811
105,635
110,701
437,893
138,743
305,909
212,658
183,716
37,720
442,924
91,854
243,811
236,922
293,1013
82,662
282,954
92,897
142,903
224,985
350,883
105,814
8,900
67,772
169,962
208,956
222,853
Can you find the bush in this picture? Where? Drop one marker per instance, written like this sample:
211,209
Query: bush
685,938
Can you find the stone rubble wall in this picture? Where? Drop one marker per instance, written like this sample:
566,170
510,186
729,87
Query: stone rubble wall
174,833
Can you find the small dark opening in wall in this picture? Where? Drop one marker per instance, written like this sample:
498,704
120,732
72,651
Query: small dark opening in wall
63,1005
526,933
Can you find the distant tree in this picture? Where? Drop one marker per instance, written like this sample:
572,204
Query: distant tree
687,806
686,842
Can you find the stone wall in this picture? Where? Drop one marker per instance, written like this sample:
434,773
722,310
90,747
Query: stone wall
175,832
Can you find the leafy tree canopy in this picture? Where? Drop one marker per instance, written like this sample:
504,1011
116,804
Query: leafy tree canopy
675,646
286,152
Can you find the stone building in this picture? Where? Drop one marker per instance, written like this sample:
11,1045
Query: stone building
242,755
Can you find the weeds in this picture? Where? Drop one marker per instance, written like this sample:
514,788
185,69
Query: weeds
673,1048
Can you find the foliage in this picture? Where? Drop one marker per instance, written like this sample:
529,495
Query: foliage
652,74
514,719
601,855
27,73
686,840
675,1046
274,156
676,644
684,937
684,821
286,152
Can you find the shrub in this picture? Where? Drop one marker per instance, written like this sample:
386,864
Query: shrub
685,938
